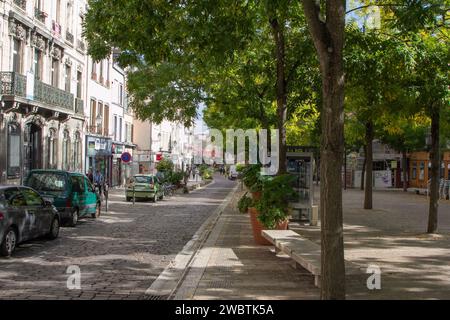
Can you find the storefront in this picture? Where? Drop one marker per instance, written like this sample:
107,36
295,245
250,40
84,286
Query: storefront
420,167
99,156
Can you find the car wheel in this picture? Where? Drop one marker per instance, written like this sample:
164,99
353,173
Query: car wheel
98,210
9,242
74,218
54,229
128,199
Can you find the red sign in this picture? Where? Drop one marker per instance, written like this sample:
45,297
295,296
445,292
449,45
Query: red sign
159,156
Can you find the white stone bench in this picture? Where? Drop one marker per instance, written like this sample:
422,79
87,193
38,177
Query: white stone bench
303,251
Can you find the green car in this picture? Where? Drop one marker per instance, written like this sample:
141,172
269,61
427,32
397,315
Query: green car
70,192
145,187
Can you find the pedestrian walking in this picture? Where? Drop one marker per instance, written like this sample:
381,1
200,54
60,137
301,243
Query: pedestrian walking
98,181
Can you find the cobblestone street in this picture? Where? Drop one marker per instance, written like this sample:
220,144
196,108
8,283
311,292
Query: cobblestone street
119,255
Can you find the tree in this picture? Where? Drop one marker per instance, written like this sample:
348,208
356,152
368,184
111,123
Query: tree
405,133
326,26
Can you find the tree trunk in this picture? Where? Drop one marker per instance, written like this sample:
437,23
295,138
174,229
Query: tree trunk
405,171
328,37
345,168
434,183
369,166
363,171
278,35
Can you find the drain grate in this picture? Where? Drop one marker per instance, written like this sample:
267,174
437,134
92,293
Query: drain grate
219,284
155,297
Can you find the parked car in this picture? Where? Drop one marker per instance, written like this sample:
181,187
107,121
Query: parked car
145,187
233,173
25,215
72,193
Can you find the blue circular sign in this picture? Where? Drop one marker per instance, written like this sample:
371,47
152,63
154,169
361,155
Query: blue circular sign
125,157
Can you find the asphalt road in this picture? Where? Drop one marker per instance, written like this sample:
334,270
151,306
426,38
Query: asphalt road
118,255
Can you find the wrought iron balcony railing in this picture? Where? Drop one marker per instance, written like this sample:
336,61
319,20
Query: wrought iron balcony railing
69,36
21,4
80,45
79,106
40,15
14,84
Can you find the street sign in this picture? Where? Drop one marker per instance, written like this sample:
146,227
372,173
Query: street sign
125,157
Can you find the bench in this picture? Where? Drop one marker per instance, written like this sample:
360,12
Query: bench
304,252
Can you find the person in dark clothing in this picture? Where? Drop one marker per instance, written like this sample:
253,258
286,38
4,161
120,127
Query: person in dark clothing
90,176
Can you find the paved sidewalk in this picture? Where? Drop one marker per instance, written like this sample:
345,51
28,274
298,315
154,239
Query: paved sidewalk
231,266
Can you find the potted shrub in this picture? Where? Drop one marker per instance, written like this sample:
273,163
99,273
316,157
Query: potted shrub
244,203
271,210
251,177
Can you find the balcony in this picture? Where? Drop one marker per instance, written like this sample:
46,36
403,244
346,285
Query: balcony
56,29
79,106
80,45
69,37
22,4
40,15
14,84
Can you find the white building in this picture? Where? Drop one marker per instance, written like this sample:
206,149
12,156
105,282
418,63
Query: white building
42,61
166,140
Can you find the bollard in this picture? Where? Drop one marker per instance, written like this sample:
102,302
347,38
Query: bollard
134,197
106,192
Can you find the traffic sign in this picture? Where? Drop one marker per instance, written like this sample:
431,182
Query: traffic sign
125,157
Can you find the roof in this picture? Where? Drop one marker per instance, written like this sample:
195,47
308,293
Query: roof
56,171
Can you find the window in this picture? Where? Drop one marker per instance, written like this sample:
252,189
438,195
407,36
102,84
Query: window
414,171
66,151
47,181
55,72
14,144
120,129
69,10
93,114
38,64
115,127
106,121
77,152
422,171
101,71
107,72
58,11
94,70
32,198
17,56
100,114
120,94
67,78
126,131
79,84
89,185
15,198
78,183
52,147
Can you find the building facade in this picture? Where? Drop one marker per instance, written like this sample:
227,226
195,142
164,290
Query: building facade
167,140
42,110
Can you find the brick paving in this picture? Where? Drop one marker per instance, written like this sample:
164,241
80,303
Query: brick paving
414,265
231,266
120,254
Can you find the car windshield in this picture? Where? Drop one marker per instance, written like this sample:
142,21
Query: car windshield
143,179
45,181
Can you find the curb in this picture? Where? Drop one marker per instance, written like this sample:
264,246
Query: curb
173,275
191,278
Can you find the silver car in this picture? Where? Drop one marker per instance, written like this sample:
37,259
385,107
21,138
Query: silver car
24,215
